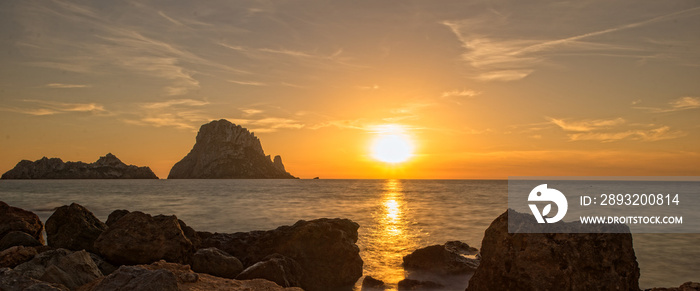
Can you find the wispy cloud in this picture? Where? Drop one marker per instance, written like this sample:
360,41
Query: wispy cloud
251,111
179,113
656,134
169,103
457,96
609,130
680,104
248,83
586,125
51,107
66,86
111,46
507,58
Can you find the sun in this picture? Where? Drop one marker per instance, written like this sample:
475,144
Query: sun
392,146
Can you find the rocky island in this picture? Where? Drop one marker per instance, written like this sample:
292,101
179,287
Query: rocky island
224,150
106,167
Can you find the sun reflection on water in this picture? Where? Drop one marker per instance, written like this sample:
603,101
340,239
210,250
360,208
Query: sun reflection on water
392,236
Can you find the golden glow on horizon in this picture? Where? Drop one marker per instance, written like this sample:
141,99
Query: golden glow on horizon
392,144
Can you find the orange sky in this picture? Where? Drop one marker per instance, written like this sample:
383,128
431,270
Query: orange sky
485,89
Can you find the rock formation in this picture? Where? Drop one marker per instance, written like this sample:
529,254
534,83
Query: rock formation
169,276
687,286
107,167
73,227
553,261
61,266
444,259
276,268
324,248
139,238
16,219
224,150
216,262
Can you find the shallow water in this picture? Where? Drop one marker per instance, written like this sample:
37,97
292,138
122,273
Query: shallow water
395,216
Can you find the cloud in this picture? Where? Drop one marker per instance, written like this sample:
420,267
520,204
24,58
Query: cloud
586,125
460,93
66,86
179,113
51,108
608,130
111,45
655,134
372,87
169,103
251,111
249,83
680,104
503,57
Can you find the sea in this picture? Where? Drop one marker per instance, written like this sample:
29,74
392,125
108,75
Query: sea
396,217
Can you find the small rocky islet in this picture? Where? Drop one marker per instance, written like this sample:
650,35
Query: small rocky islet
106,167
139,251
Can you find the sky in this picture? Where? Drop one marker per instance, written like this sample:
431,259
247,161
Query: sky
484,89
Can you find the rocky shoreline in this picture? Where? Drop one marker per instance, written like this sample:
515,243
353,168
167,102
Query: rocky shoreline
139,251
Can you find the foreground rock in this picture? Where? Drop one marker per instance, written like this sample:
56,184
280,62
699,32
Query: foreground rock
61,266
410,284
107,167
324,248
371,284
687,286
224,150
542,261
170,276
18,238
11,280
444,259
73,227
277,268
216,262
16,255
17,219
136,278
139,238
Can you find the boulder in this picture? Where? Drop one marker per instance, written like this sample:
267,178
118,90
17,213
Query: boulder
461,248
687,286
277,268
106,167
16,255
324,248
224,150
11,280
61,266
216,262
136,278
16,219
410,284
441,259
105,267
116,215
553,261
139,238
73,227
371,284
18,238
183,277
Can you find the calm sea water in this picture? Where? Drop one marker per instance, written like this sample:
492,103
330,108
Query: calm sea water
395,216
